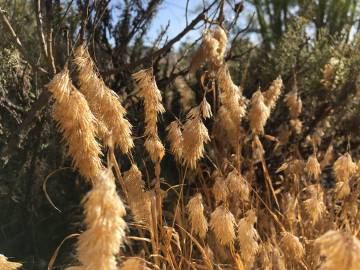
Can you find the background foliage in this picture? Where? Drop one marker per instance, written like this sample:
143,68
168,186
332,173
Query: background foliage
294,39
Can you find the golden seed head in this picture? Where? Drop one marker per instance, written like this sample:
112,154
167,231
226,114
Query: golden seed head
198,221
77,124
151,95
7,265
105,227
258,113
273,93
248,237
104,103
176,140
238,185
138,200
314,205
220,190
195,135
211,50
344,167
294,103
290,207
341,250
222,222
291,246
134,263
233,104
312,167
296,125
342,189
220,35
155,148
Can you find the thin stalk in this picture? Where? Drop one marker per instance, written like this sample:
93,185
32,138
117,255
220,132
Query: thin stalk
180,196
118,173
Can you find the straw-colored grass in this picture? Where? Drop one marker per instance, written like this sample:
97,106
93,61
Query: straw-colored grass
231,209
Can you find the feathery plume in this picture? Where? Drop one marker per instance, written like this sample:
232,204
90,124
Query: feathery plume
138,199
104,103
273,93
258,113
296,124
238,185
77,124
222,223
271,257
294,103
7,265
155,148
344,167
342,189
278,259
233,105
220,190
248,237
175,138
211,50
290,207
312,167
199,224
105,226
195,134
220,35
291,246
314,206
230,96
341,250
134,263
151,95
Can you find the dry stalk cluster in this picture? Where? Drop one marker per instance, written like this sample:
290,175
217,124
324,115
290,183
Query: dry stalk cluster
232,210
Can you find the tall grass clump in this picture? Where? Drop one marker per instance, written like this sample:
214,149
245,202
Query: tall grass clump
244,192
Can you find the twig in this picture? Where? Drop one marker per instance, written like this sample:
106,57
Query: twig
6,24
168,46
51,60
40,31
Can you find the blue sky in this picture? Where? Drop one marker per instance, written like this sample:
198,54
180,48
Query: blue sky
173,11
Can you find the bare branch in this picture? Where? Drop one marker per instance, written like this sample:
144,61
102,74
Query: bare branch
50,52
169,45
6,24
39,22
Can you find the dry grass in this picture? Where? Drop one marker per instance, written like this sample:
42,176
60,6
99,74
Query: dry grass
225,216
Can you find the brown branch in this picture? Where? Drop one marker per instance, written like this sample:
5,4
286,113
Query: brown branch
84,18
221,16
50,57
40,31
147,59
